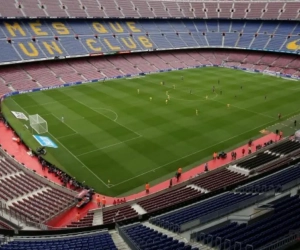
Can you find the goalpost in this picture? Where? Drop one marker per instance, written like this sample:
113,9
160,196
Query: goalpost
38,124
271,73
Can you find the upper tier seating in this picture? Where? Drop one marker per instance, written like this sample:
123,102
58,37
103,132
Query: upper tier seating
275,181
100,240
23,41
205,211
259,233
137,8
27,196
146,238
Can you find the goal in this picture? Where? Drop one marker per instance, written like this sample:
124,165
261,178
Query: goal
38,124
271,73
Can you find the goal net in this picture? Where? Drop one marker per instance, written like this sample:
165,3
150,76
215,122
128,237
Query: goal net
271,73
38,124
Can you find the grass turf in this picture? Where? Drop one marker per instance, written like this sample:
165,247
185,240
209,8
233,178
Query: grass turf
112,132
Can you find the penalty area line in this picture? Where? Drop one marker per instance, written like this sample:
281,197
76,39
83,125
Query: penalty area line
69,151
109,146
108,117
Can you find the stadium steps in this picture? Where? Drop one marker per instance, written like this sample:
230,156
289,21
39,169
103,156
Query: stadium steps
15,174
38,191
31,78
253,39
138,209
239,170
175,236
98,217
283,44
202,190
119,242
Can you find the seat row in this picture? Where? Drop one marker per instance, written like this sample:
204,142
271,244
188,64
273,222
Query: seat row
50,73
83,39
86,241
146,9
146,238
219,179
275,181
258,160
204,211
259,233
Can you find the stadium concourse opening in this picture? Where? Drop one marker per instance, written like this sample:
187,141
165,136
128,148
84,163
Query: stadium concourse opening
20,152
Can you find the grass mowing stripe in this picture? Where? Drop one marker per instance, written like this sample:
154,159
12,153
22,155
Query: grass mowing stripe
70,152
172,134
108,146
211,146
109,118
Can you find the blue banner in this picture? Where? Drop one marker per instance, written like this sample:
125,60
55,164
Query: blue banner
45,141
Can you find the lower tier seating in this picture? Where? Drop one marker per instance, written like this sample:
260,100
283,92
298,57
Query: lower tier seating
255,235
286,147
258,160
205,211
89,241
86,221
169,198
118,214
219,179
149,239
273,182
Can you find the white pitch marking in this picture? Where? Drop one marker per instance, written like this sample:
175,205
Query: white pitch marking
69,151
108,117
189,155
108,146
109,111
60,137
64,123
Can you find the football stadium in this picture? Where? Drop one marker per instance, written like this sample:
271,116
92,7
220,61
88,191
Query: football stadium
149,125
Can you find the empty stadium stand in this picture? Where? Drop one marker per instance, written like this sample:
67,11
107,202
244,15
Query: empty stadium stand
51,73
164,9
86,221
97,240
279,182
258,160
40,39
286,147
91,29
117,214
169,198
25,195
278,224
144,238
204,211
218,179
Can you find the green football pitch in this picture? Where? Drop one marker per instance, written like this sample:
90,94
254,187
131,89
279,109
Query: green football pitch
112,132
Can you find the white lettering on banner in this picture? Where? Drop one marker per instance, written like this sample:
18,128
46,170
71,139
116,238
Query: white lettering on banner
25,91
